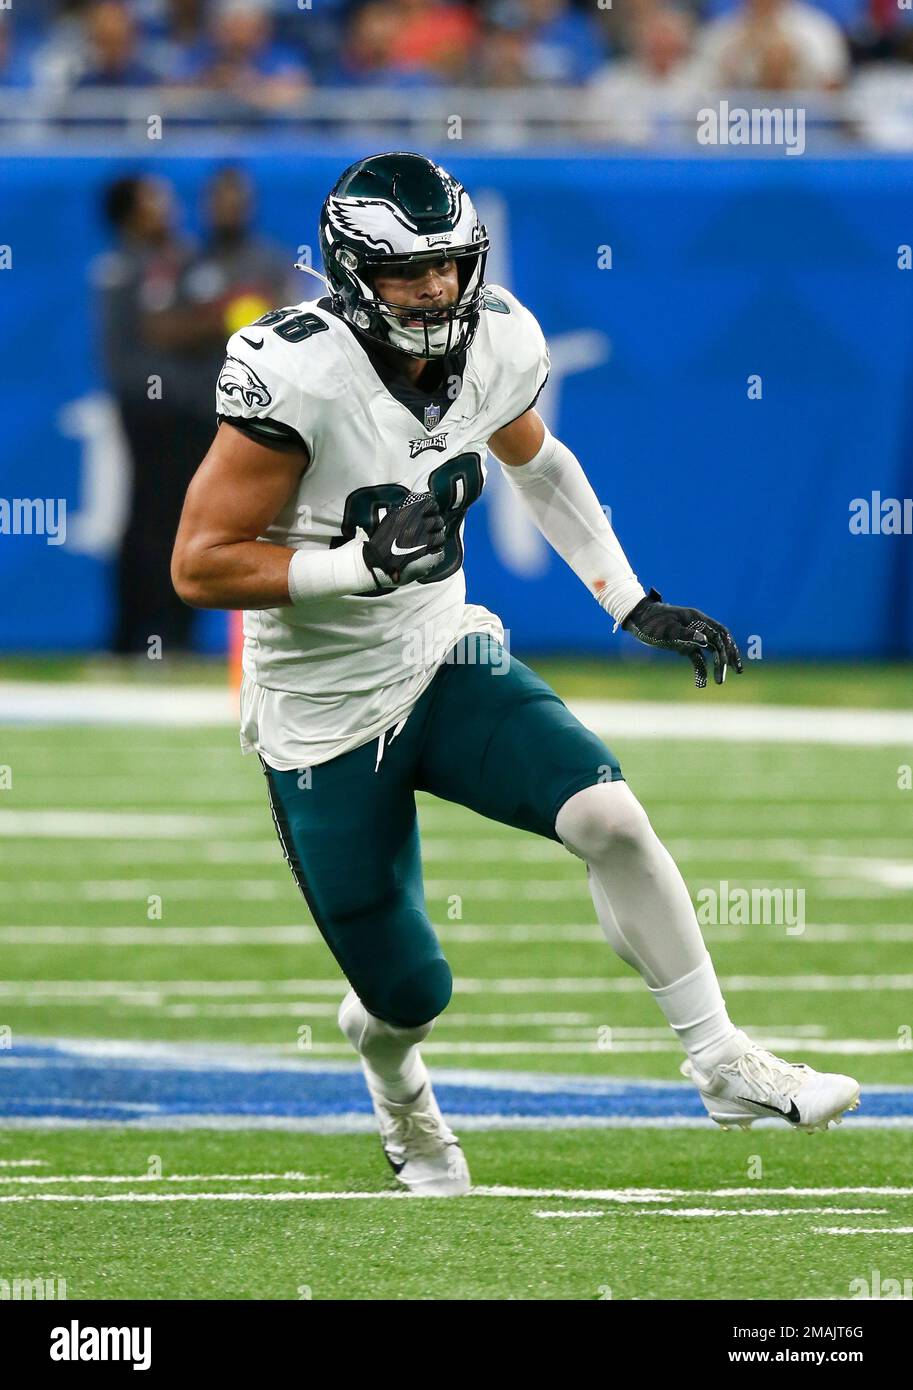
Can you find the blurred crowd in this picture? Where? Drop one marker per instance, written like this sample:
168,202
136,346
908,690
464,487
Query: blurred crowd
271,52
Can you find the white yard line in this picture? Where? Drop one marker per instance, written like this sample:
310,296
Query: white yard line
366,1124
512,985
123,825
691,1212
625,1199
493,933
864,1230
496,1047
125,1178
109,703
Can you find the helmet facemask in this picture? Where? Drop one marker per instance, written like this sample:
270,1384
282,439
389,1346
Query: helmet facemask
432,331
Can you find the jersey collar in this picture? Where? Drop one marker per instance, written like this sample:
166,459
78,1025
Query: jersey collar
428,406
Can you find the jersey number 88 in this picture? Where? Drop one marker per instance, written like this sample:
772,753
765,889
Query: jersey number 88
455,485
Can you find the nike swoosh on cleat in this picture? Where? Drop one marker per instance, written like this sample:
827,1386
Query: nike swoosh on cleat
395,549
792,1114
250,342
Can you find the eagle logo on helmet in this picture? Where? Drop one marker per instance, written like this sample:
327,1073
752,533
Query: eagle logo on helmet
238,379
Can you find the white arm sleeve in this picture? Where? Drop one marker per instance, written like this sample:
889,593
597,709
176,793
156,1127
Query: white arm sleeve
560,500
316,574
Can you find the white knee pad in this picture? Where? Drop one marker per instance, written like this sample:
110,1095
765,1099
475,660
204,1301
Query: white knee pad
602,820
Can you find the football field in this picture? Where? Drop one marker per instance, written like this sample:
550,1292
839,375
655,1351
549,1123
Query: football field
180,1117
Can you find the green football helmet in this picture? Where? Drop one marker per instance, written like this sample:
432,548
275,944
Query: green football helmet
395,210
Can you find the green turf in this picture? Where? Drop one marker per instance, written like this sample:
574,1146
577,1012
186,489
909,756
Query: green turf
478,1247
813,819
829,821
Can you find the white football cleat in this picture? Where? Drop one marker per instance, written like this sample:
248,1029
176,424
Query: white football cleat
420,1147
758,1085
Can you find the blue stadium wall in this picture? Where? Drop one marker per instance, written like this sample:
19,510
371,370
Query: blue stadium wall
721,271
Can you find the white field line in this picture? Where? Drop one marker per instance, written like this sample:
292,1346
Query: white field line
23,1163
124,825
643,1194
879,877
864,1230
152,995
822,856
567,1215
516,985
75,702
366,1124
154,1197
494,933
171,1177
502,846
39,702
742,1211
159,935
94,826
529,1047
621,1198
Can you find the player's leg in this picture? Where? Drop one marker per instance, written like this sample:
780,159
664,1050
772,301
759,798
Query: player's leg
646,914
349,832
503,743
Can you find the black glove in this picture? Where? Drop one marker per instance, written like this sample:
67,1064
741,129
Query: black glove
407,543
685,630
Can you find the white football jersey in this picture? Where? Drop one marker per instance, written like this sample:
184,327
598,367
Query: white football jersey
324,677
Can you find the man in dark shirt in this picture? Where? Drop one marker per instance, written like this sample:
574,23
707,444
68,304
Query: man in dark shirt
145,355
167,309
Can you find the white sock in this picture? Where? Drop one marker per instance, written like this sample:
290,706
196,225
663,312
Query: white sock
647,916
392,1060
696,1012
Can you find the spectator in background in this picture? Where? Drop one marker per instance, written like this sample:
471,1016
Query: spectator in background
111,58
243,60
15,65
618,22
636,100
566,44
366,57
774,45
175,35
433,37
236,276
506,56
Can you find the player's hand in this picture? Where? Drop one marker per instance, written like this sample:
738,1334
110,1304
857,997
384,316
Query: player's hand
685,630
407,543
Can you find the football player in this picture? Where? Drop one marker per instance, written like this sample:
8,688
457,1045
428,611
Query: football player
353,439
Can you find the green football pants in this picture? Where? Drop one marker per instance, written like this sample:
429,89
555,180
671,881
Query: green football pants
489,734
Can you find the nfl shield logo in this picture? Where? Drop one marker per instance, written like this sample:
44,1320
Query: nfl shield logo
432,415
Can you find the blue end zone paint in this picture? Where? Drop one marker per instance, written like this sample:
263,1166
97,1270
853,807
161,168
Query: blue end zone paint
46,1082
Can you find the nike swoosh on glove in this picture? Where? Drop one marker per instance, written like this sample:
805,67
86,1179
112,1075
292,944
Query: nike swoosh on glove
407,543
685,630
